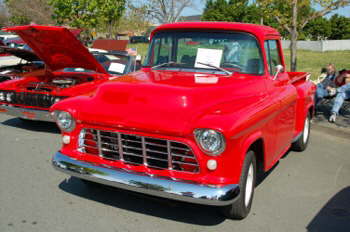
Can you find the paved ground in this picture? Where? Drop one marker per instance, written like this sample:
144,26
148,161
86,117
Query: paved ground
307,191
343,120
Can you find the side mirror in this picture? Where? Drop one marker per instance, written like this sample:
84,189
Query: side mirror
279,69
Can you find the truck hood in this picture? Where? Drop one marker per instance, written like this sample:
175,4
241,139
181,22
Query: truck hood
162,101
20,53
57,47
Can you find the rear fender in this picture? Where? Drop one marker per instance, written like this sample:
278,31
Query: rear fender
305,102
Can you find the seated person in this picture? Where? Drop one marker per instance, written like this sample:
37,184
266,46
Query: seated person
324,87
343,93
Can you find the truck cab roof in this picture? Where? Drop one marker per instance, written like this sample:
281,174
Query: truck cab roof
260,31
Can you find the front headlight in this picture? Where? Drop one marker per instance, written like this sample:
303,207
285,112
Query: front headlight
9,97
64,120
210,141
2,96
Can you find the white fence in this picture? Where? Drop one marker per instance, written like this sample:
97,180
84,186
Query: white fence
321,45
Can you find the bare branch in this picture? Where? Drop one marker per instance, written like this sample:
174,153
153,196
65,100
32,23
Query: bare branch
285,26
166,11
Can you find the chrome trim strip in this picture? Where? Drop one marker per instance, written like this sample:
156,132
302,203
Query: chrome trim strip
99,145
170,158
144,152
152,185
120,147
36,115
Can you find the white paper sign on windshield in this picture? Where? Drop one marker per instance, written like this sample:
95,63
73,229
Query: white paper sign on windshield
208,56
117,67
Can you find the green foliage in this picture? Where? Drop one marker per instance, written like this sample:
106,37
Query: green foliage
316,29
136,19
231,11
19,19
24,11
340,27
310,61
88,14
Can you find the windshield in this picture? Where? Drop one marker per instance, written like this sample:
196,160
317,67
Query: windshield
205,52
114,64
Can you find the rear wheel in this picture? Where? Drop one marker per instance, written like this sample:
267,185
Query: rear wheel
241,207
303,140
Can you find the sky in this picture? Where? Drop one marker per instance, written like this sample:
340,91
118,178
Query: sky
200,4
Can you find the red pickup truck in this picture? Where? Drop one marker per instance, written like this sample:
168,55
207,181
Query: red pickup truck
211,107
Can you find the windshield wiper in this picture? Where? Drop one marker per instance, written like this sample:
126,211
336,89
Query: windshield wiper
216,67
163,64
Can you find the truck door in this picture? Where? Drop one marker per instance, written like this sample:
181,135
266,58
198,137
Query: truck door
280,88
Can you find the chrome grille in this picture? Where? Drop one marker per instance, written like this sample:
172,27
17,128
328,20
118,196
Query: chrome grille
29,99
138,150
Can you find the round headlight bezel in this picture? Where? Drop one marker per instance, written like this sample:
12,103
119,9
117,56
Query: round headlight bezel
2,96
9,97
64,120
199,135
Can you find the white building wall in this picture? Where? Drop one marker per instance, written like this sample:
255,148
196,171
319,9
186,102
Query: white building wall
320,46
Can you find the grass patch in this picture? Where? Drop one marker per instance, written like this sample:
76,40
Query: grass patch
308,61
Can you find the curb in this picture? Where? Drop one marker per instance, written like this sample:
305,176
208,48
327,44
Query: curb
338,132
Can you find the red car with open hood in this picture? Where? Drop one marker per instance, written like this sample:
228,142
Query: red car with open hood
212,106
70,70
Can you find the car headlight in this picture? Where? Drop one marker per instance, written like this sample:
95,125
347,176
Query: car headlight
2,96
210,141
9,97
64,120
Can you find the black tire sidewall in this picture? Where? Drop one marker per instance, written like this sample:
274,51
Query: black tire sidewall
250,159
238,209
300,145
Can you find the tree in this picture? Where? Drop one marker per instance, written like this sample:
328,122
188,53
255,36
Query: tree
231,11
293,21
4,18
167,11
340,27
136,18
24,11
88,14
317,29
109,14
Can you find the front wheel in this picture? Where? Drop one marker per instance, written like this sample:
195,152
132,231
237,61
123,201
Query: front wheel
241,207
301,143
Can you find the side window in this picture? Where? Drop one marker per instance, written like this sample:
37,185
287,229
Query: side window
162,50
273,56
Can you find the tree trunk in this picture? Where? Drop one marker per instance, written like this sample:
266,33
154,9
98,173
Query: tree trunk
294,37
293,51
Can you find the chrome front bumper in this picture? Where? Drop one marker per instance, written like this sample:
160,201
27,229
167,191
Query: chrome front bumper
142,183
30,114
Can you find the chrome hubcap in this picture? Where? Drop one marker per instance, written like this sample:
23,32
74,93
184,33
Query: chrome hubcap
306,130
249,185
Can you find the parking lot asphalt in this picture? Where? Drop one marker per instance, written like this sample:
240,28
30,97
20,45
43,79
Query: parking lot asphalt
308,191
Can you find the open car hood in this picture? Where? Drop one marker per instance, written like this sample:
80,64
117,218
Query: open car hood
57,47
20,53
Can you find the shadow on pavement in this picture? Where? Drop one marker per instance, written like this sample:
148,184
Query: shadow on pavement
323,113
139,203
48,127
334,216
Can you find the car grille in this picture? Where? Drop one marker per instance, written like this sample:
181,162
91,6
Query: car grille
29,99
138,150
